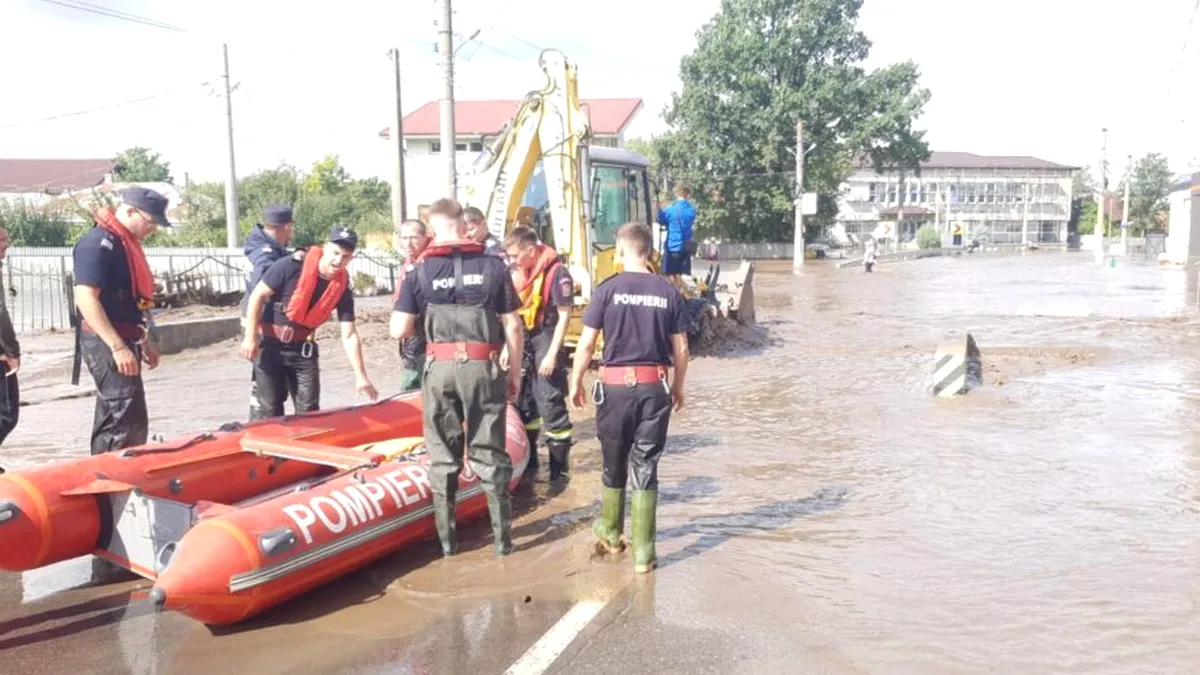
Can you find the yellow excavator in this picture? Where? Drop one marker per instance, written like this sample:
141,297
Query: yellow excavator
540,171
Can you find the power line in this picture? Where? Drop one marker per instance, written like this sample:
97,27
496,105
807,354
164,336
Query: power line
114,14
97,109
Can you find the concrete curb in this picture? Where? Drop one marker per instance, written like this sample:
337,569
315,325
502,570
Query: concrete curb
52,380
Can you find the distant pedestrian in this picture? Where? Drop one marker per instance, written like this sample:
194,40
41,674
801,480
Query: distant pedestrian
641,318
10,362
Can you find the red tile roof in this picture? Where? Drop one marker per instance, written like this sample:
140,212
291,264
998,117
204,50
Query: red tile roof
608,117
52,176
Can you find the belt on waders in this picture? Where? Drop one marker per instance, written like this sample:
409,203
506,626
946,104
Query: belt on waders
462,351
633,375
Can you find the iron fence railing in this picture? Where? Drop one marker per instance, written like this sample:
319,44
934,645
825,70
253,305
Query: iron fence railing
37,279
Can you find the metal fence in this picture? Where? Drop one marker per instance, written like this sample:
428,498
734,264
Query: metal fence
36,279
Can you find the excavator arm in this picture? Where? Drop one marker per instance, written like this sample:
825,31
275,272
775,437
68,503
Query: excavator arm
549,126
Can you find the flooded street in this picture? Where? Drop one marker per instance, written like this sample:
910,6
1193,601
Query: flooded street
821,511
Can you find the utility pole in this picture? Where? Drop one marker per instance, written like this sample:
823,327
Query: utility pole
1125,208
231,185
447,102
399,197
798,236
1102,185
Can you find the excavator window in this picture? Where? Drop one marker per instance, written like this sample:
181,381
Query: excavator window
610,202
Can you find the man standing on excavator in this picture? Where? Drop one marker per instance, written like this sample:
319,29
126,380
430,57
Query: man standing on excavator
547,293
412,239
310,285
678,246
477,230
469,307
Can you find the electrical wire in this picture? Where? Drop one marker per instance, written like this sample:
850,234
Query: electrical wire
114,14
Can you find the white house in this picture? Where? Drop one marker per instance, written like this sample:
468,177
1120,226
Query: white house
477,123
1183,228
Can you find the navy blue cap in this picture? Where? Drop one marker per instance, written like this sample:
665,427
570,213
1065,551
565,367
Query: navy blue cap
149,201
277,214
344,236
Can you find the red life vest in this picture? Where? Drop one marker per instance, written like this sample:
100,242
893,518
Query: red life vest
298,310
448,248
142,287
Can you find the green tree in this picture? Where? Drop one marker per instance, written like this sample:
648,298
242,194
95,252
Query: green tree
1149,190
759,67
138,165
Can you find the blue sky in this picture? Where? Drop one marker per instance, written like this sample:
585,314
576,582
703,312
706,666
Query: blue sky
1029,77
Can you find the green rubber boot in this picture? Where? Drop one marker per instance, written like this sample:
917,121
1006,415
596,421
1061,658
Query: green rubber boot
643,531
609,525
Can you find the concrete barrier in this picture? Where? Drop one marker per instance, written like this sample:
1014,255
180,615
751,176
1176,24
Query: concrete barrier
172,338
957,367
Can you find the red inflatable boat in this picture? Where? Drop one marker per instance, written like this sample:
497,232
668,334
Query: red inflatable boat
231,523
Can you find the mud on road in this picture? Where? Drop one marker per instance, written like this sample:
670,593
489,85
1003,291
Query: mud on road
820,510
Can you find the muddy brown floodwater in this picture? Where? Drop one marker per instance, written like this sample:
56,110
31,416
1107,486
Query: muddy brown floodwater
821,511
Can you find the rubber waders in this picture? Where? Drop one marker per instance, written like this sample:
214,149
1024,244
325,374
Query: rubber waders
560,458
611,522
643,531
500,510
531,435
444,519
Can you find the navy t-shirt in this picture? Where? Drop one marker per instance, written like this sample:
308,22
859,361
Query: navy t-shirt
638,313
282,278
562,292
100,261
439,274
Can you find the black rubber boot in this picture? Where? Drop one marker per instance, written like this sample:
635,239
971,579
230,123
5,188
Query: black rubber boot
560,458
446,521
531,435
500,510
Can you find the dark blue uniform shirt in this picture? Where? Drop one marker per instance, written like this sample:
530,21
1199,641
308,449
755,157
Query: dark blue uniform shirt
638,313
100,261
282,278
480,272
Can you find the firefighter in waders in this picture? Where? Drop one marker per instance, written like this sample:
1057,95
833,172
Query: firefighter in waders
266,244
412,239
469,307
547,293
310,285
114,288
641,316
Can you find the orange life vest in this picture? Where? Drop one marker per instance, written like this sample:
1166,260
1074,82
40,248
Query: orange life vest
298,310
532,287
142,287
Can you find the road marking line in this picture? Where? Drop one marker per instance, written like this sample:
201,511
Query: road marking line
539,657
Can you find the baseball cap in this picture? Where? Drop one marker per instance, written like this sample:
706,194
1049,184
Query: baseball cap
148,201
277,214
344,236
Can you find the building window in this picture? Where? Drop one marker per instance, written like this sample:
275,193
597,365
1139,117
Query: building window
873,192
435,147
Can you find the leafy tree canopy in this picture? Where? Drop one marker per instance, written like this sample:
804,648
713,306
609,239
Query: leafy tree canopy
760,66
141,165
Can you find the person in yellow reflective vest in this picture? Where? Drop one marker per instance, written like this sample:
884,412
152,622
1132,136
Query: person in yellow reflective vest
547,293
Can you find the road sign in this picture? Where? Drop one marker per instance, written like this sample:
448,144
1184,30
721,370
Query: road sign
808,204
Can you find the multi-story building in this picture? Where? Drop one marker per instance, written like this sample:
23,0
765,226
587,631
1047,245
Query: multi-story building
993,199
477,123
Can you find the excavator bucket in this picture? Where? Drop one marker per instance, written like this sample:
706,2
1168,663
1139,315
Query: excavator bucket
734,293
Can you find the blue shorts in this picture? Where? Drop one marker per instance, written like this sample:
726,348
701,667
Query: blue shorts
677,262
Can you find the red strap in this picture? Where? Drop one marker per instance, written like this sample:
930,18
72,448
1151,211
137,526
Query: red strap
462,351
631,375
